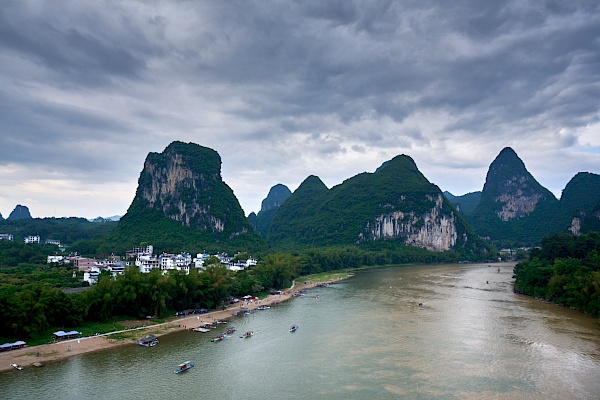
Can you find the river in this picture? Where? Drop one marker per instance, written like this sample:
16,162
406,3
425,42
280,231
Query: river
364,338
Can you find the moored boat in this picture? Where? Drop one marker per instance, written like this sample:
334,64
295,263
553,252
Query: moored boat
201,329
229,331
184,367
148,341
263,308
16,366
247,335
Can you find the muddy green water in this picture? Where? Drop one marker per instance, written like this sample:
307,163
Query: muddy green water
364,338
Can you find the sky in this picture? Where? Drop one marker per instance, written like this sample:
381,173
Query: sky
286,89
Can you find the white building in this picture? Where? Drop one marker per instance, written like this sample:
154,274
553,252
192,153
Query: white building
147,263
199,260
91,276
177,262
6,236
52,241
55,259
32,239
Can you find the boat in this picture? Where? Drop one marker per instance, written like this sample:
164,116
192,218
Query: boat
201,329
247,335
184,367
293,328
221,322
263,308
219,338
229,331
148,341
16,366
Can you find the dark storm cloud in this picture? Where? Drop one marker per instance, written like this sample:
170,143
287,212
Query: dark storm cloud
304,82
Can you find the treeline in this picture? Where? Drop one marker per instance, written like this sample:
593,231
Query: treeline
67,230
28,311
565,270
13,253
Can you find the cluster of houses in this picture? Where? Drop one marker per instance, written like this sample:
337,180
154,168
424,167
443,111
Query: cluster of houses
143,257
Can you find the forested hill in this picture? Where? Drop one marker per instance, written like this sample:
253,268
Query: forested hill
66,230
182,203
396,204
565,270
269,207
514,207
577,203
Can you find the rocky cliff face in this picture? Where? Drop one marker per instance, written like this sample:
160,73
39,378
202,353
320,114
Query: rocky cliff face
433,230
513,205
395,204
184,182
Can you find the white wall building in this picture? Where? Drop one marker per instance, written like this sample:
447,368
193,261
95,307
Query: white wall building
32,239
6,236
55,259
175,261
147,263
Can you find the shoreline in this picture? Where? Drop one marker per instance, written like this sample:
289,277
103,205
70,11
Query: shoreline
41,355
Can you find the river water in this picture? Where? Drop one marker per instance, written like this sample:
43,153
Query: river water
363,338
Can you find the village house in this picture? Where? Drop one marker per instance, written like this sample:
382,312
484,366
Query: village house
32,239
6,236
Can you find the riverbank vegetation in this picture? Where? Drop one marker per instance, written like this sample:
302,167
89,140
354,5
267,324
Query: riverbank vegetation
565,270
33,297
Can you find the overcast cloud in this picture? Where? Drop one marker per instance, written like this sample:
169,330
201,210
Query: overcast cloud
286,89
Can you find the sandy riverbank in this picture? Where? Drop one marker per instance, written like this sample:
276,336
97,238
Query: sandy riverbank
49,353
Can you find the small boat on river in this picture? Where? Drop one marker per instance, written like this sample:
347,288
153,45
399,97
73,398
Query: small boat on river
247,335
219,338
184,367
201,329
221,322
263,308
229,331
148,341
16,366
293,328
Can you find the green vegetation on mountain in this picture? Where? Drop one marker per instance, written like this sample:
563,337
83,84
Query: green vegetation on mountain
146,224
270,205
349,213
514,207
591,222
67,230
578,200
465,203
565,270
182,203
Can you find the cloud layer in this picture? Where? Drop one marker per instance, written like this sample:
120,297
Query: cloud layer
287,89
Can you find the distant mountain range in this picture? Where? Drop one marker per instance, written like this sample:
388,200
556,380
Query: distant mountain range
182,202
105,219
